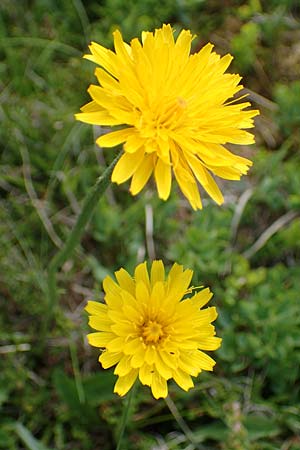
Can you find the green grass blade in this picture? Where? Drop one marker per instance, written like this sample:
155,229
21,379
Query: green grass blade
28,439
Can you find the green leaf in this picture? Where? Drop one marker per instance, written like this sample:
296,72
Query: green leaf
99,387
216,431
259,427
66,390
6,438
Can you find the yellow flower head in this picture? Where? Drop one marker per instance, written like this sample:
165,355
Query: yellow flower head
175,110
149,331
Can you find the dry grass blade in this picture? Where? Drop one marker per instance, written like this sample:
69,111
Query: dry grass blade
269,232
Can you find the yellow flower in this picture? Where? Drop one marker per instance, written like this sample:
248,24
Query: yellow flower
175,110
149,331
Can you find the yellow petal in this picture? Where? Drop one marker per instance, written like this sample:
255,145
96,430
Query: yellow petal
207,315
198,168
107,81
138,358
162,368
163,178
133,143
150,354
186,364
183,379
116,315
90,107
163,148
205,331
133,346
127,166
159,386
142,174
123,368
114,138
175,271
125,281
205,361
141,274
213,190
123,384
104,57
178,283
209,343
228,173
157,297
187,344
142,296
145,374
112,298
216,155
202,298
95,307
189,362
188,187
97,118
131,308
169,359
109,359
100,322
116,344
167,34
183,44
113,301
100,339
224,63
157,272
120,48
124,329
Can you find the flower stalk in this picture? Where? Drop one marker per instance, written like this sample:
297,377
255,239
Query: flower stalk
125,416
88,208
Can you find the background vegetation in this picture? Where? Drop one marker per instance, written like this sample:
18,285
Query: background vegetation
53,393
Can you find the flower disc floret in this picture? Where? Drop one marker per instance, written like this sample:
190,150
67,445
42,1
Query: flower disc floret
150,330
174,111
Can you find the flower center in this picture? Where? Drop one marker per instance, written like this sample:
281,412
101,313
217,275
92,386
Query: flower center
152,332
161,118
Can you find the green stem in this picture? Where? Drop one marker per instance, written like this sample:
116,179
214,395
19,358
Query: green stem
125,416
180,421
89,204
